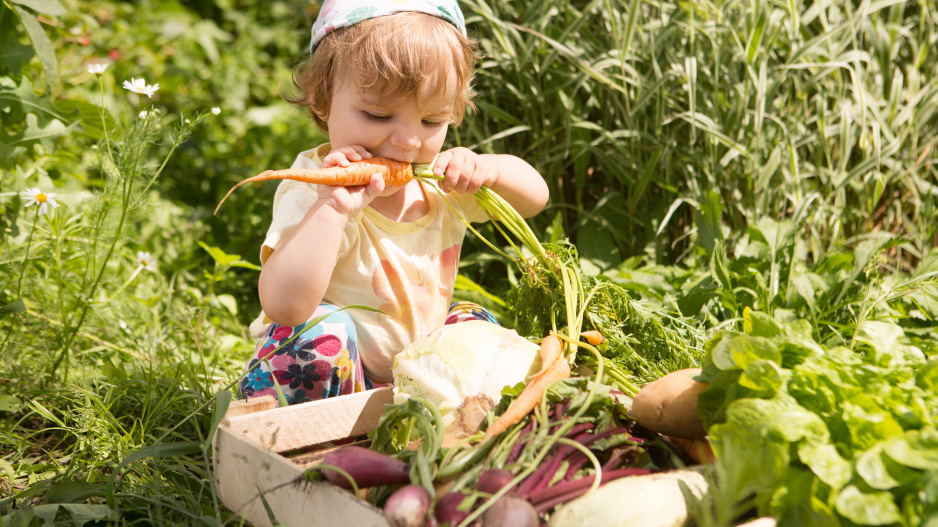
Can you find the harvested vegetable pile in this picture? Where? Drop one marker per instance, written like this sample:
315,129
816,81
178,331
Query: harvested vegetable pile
816,436
579,438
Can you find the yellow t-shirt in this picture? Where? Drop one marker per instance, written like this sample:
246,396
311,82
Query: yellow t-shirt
405,269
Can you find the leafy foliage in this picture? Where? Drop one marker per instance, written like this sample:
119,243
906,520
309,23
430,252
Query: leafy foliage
821,436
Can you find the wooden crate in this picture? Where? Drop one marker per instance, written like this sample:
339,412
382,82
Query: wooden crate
258,448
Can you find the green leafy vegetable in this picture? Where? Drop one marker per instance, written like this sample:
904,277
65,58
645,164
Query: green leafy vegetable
816,436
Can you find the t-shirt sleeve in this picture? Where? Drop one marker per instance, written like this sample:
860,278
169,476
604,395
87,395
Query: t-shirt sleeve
291,202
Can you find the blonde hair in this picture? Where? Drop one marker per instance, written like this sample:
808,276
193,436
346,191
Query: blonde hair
395,56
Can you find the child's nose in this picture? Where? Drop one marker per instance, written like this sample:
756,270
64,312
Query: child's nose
405,138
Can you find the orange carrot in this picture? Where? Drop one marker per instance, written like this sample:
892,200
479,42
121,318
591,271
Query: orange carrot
551,346
594,337
396,174
532,393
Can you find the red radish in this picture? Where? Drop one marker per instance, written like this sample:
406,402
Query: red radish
493,479
446,511
367,467
407,506
510,511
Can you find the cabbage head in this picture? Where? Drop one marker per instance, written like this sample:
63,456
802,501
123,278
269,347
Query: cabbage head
462,368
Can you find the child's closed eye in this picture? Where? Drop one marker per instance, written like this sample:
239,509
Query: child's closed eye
376,117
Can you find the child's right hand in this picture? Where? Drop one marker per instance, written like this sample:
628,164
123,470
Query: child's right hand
349,200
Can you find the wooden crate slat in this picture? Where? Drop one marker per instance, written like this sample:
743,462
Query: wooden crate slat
303,425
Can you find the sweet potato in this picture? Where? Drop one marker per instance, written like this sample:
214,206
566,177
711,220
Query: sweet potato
669,405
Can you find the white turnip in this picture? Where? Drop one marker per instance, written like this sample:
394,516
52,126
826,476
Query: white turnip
510,511
407,506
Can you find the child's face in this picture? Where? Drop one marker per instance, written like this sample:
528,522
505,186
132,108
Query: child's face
397,129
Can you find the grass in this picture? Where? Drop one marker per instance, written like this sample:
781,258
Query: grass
821,113
708,156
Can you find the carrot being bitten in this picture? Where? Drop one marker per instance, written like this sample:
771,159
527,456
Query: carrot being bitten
395,173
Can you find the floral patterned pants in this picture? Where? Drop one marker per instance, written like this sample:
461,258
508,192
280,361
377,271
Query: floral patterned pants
322,361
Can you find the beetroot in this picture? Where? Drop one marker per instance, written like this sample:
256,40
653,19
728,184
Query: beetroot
493,480
367,467
510,511
446,512
407,506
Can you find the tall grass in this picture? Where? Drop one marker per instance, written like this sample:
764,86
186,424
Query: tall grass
691,119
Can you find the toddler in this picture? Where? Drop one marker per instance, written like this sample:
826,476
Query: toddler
385,78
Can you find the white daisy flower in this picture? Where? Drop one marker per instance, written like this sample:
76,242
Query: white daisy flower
216,110
34,195
140,86
142,115
146,261
97,69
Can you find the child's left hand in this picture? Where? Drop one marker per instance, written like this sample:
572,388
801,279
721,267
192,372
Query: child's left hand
464,170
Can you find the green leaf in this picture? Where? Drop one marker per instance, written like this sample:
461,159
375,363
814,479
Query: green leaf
89,116
888,342
801,284
13,53
720,272
67,490
764,377
246,265
761,325
34,132
755,37
825,462
222,401
708,221
916,449
21,100
221,257
742,350
696,294
228,302
48,7
880,472
41,44
873,508
7,470
17,306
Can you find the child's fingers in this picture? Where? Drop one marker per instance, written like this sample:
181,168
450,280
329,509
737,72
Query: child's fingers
441,161
453,178
374,187
344,156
